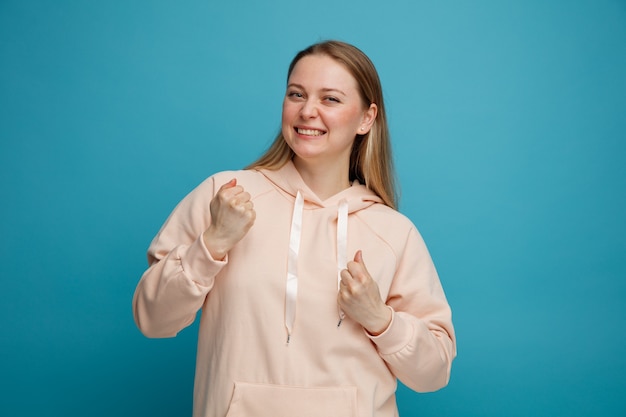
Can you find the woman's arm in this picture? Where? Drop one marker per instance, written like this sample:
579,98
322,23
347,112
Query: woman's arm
186,255
419,344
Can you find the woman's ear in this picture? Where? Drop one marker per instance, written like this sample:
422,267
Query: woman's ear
368,119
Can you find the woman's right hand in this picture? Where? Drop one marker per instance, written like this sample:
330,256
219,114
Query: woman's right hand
232,215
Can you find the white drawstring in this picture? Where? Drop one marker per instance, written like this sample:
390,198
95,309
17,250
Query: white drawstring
292,264
342,245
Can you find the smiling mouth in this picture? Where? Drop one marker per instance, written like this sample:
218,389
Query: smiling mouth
309,132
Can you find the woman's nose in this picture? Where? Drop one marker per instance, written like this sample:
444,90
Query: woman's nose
309,109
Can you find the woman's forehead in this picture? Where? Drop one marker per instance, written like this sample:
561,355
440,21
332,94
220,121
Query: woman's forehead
322,72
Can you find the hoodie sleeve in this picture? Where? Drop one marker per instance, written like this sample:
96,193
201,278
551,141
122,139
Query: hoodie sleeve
181,270
419,344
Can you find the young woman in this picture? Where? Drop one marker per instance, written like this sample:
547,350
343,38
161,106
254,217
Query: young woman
316,294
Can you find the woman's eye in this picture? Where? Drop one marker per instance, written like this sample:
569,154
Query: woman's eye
332,99
295,94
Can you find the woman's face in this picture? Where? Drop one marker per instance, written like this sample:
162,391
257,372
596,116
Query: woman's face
323,111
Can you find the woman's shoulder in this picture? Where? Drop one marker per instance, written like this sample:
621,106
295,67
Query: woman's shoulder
389,225
385,216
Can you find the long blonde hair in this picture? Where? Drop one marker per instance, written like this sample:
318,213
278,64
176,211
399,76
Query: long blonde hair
371,161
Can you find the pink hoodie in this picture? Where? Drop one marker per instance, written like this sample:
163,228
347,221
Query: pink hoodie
279,284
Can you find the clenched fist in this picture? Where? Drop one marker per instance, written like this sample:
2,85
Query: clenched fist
232,215
359,297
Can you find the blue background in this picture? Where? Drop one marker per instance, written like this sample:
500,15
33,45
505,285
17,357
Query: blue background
509,128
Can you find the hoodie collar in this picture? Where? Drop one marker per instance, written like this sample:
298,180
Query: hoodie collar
288,179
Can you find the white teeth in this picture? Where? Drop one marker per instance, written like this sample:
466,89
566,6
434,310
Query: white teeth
310,132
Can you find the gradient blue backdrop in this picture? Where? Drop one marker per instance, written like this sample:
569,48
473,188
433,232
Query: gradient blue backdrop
509,127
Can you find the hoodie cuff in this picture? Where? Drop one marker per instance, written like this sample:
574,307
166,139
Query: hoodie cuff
395,337
199,265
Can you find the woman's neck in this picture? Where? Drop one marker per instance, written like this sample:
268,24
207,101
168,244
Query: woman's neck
324,179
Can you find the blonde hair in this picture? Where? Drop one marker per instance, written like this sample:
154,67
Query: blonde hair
371,161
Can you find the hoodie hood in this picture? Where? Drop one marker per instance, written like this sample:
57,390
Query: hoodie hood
288,180
356,197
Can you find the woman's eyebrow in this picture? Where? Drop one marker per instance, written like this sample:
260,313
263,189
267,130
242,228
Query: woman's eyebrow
325,90
333,90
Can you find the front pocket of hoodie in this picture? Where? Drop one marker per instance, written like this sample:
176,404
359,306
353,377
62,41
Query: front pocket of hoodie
264,400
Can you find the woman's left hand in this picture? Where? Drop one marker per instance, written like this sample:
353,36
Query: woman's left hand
359,297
